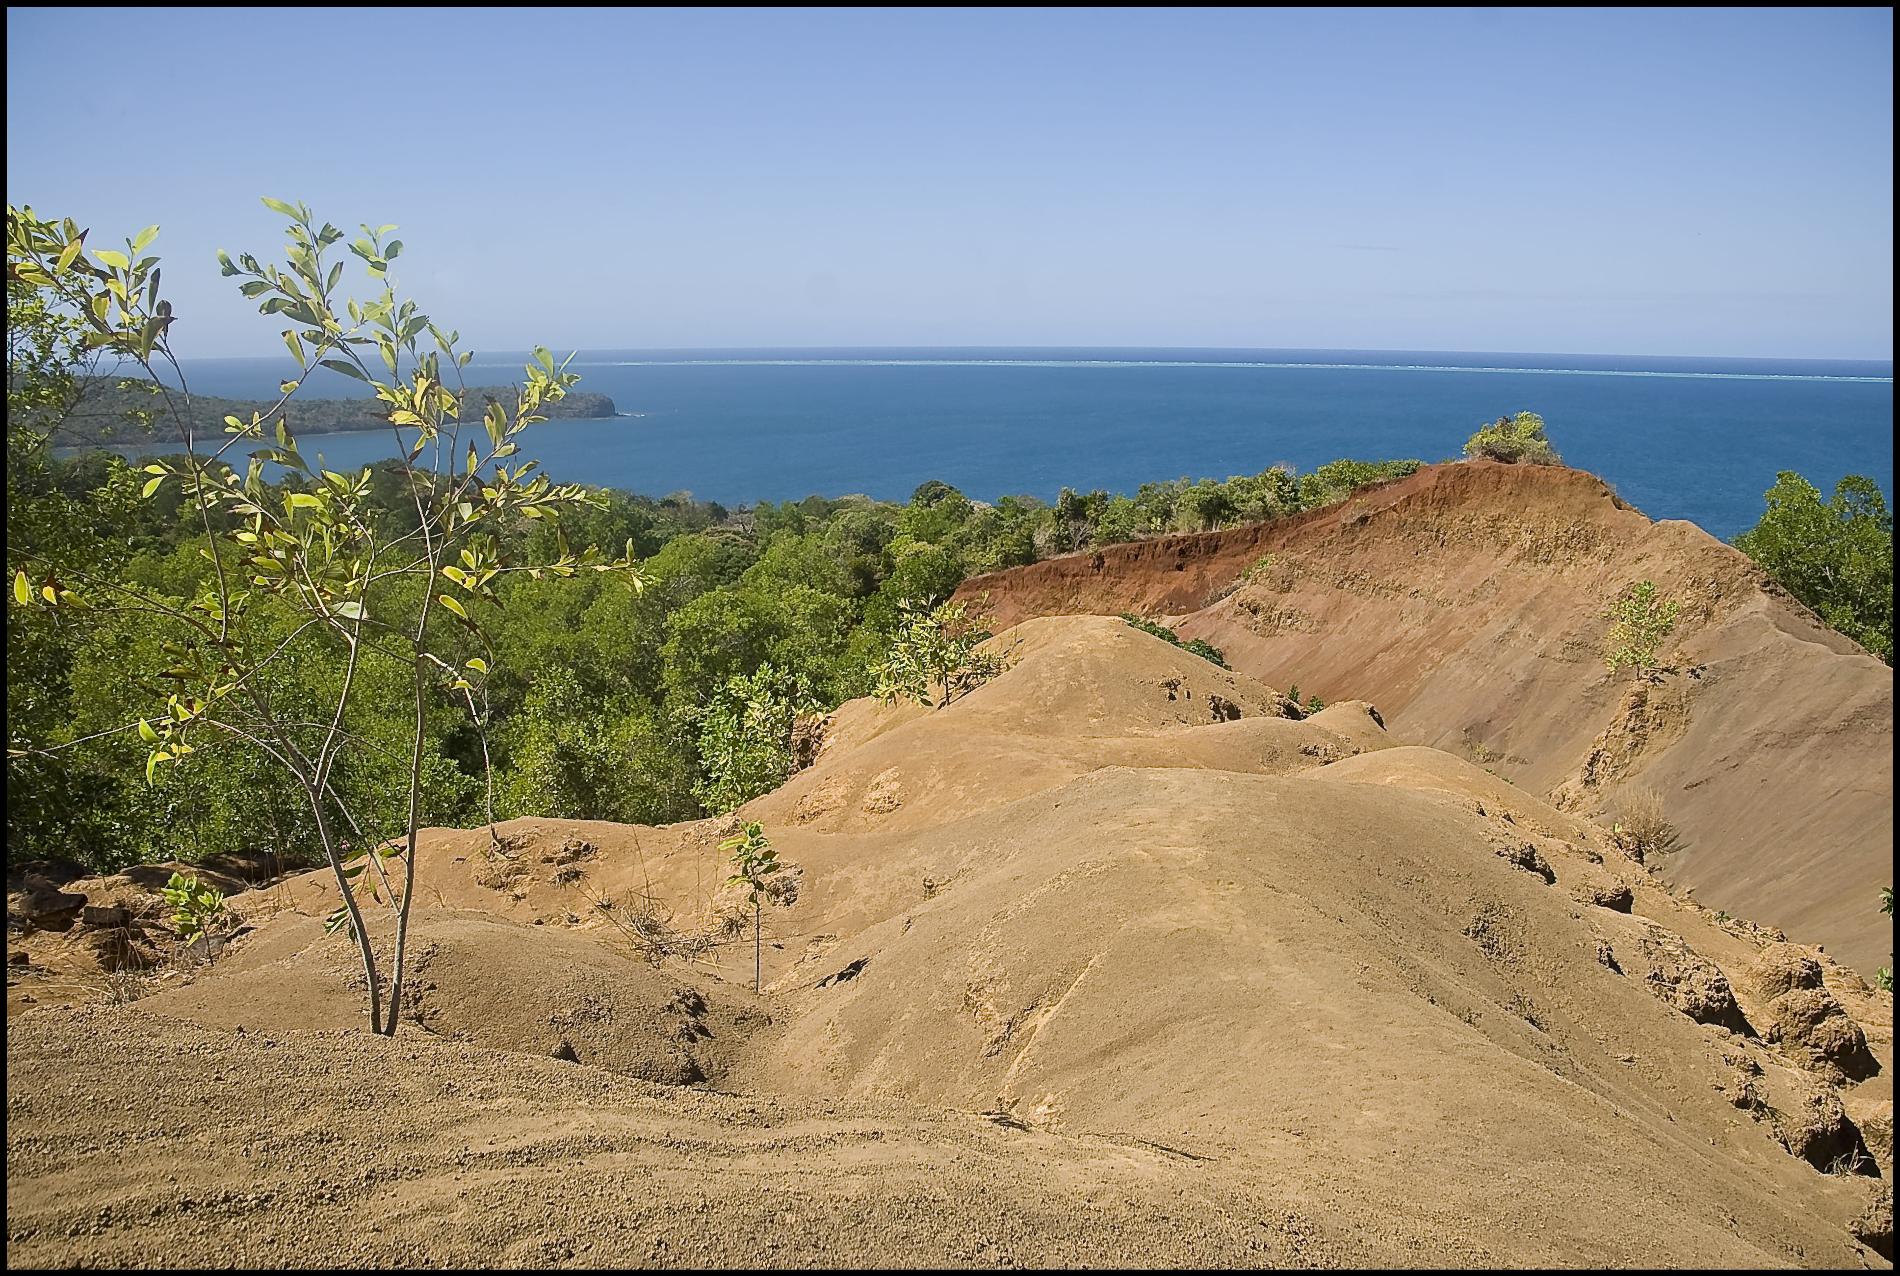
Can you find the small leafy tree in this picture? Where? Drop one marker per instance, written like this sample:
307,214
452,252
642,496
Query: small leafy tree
753,864
1835,556
1639,621
307,565
934,658
195,909
745,738
1514,439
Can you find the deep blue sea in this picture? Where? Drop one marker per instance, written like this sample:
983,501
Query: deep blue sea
1699,439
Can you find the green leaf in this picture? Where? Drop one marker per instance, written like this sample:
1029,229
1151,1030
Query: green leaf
22,590
347,368
295,345
279,206
111,258
151,485
143,238
478,665
147,733
452,605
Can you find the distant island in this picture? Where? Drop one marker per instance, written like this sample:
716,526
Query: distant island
108,410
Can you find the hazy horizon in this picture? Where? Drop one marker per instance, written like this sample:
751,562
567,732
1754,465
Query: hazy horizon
1152,347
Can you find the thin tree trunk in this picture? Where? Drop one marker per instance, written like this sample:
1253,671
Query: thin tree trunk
349,903
409,859
758,949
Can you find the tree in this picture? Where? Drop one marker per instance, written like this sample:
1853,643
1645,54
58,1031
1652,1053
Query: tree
1835,556
78,513
934,658
745,737
308,567
1205,505
1514,439
1336,480
754,862
1639,621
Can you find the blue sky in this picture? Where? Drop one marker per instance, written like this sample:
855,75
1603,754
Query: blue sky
1635,181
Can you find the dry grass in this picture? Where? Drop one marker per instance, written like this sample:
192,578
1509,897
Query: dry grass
123,987
1642,828
648,926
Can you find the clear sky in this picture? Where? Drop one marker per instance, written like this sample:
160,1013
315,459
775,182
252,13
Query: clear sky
1713,182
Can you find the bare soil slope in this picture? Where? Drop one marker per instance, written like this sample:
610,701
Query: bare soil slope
1466,600
1076,970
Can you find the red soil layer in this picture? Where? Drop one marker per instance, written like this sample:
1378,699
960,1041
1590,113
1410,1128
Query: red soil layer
1466,602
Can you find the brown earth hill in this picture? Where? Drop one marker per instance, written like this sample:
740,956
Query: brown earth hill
1109,962
1466,602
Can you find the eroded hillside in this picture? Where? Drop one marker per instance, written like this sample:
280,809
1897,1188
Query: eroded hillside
1109,961
1466,602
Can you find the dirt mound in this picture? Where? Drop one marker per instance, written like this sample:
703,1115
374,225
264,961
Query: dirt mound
495,984
1466,602
1072,974
1077,694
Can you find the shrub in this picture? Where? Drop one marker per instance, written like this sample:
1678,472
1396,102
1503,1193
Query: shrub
1206,651
1336,480
933,657
1198,646
1514,439
1837,557
195,909
1639,621
745,738
1642,830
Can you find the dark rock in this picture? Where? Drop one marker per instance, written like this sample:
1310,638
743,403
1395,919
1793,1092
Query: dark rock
35,903
1525,856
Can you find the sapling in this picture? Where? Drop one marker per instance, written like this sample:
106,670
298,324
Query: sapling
753,861
195,909
934,656
400,600
1640,620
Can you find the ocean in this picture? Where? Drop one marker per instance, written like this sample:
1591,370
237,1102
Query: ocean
1696,439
